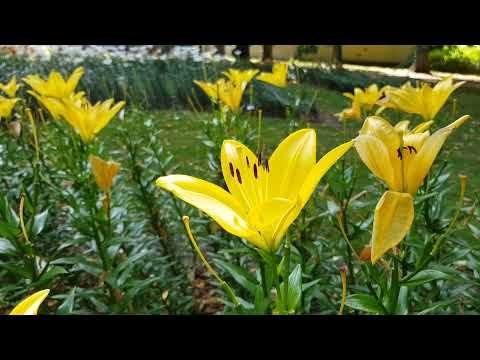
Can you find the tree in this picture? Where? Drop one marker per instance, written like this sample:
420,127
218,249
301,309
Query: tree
337,55
421,63
267,53
242,52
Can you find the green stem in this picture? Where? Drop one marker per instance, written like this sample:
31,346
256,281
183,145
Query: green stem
286,272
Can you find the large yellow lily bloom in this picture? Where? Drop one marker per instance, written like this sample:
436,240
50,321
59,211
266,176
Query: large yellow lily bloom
30,305
402,159
55,86
6,106
11,87
277,77
265,196
424,100
56,107
86,118
104,172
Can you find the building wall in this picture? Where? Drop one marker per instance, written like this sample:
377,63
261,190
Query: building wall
362,54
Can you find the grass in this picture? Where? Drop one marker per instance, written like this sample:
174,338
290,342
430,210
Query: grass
182,132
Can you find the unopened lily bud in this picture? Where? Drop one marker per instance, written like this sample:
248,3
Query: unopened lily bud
14,128
463,187
366,253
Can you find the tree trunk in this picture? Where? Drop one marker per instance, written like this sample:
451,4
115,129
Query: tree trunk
220,49
267,53
242,52
421,63
337,55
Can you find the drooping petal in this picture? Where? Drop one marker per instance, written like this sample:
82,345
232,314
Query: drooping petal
374,154
30,305
220,205
393,218
423,161
291,162
320,169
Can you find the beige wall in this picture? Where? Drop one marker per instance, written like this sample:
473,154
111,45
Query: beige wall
388,54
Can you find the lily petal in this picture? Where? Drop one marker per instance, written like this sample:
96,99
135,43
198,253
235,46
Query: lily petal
30,305
291,162
393,218
426,156
374,153
320,169
220,205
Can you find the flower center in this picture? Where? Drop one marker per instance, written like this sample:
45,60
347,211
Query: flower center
411,149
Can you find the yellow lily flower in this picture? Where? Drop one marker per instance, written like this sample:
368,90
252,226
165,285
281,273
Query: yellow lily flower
11,87
265,196
355,112
239,77
104,172
30,305
86,118
423,100
402,159
277,77
54,106
361,99
55,86
211,89
6,106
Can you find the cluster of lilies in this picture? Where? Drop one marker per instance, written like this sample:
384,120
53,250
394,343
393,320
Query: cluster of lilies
265,195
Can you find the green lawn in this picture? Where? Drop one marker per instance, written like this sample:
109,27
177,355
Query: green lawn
182,132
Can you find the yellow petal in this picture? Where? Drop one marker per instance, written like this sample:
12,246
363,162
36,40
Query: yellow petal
271,219
402,125
73,80
393,218
375,155
320,169
291,162
241,173
211,199
30,305
423,161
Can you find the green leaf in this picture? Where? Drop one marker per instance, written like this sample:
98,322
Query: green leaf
364,302
6,246
39,222
426,276
294,288
7,212
67,306
402,305
261,301
50,274
240,275
435,307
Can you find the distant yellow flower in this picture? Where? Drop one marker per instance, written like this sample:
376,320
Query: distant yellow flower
229,94
86,118
6,106
104,172
361,99
355,112
11,87
55,86
402,159
423,100
30,305
277,77
240,77
264,197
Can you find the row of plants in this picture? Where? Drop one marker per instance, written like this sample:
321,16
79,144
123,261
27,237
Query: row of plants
105,237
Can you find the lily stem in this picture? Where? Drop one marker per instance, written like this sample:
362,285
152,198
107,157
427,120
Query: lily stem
286,272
